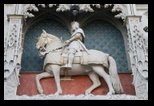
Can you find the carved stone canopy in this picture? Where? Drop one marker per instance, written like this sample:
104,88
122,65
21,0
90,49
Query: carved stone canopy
75,9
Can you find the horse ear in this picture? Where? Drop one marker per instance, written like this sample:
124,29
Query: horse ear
43,31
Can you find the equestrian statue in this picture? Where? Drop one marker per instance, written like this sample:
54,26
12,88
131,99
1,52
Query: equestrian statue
77,59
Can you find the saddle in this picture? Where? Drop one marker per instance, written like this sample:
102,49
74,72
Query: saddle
95,57
77,58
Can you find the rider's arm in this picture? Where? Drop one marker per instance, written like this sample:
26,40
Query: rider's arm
75,37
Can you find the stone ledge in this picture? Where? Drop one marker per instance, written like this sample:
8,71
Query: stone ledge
74,97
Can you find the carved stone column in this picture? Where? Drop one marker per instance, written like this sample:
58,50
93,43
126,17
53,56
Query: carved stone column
138,56
12,55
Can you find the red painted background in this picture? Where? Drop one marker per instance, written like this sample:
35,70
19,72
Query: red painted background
76,86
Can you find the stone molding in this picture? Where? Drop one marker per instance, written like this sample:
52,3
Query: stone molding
78,97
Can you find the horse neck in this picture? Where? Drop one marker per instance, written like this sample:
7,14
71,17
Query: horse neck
52,45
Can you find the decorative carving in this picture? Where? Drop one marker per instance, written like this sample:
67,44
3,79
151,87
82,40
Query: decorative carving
145,37
118,7
145,29
63,7
141,87
138,56
13,52
11,48
51,5
10,87
87,7
107,5
42,5
29,7
82,7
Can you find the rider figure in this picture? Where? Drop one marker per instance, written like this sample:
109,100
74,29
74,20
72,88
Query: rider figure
75,43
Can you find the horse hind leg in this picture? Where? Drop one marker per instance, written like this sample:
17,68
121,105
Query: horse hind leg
96,83
100,71
39,77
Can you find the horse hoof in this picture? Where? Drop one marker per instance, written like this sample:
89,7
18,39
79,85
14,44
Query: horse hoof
87,93
41,91
109,93
42,94
58,93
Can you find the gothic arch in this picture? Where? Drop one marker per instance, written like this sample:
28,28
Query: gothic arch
58,17
99,15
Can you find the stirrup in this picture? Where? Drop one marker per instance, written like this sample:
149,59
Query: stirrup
64,66
69,66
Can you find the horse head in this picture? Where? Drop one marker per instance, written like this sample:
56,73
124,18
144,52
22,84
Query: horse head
47,39
44,39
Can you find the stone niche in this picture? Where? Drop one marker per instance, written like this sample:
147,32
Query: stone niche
128,24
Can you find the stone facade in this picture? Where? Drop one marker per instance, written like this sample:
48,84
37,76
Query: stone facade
130,19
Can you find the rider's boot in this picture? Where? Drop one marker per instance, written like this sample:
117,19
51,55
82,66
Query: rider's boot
64,66
71,55
70,60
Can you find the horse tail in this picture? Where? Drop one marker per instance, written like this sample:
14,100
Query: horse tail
114,76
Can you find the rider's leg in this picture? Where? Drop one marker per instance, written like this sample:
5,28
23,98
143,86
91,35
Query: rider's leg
71,54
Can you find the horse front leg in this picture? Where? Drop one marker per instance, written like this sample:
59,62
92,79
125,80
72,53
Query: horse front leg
38,78
56,73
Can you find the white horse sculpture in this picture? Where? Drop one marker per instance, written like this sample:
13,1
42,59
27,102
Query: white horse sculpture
93,65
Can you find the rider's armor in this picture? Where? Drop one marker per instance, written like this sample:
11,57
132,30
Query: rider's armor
75,44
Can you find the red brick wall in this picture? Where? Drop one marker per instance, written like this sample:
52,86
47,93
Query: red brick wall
76,86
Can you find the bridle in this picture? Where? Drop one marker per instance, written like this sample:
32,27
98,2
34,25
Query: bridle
53,50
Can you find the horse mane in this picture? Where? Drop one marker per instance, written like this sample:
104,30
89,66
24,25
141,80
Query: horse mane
55,43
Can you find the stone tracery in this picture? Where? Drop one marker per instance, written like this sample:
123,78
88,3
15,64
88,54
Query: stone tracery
82,7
